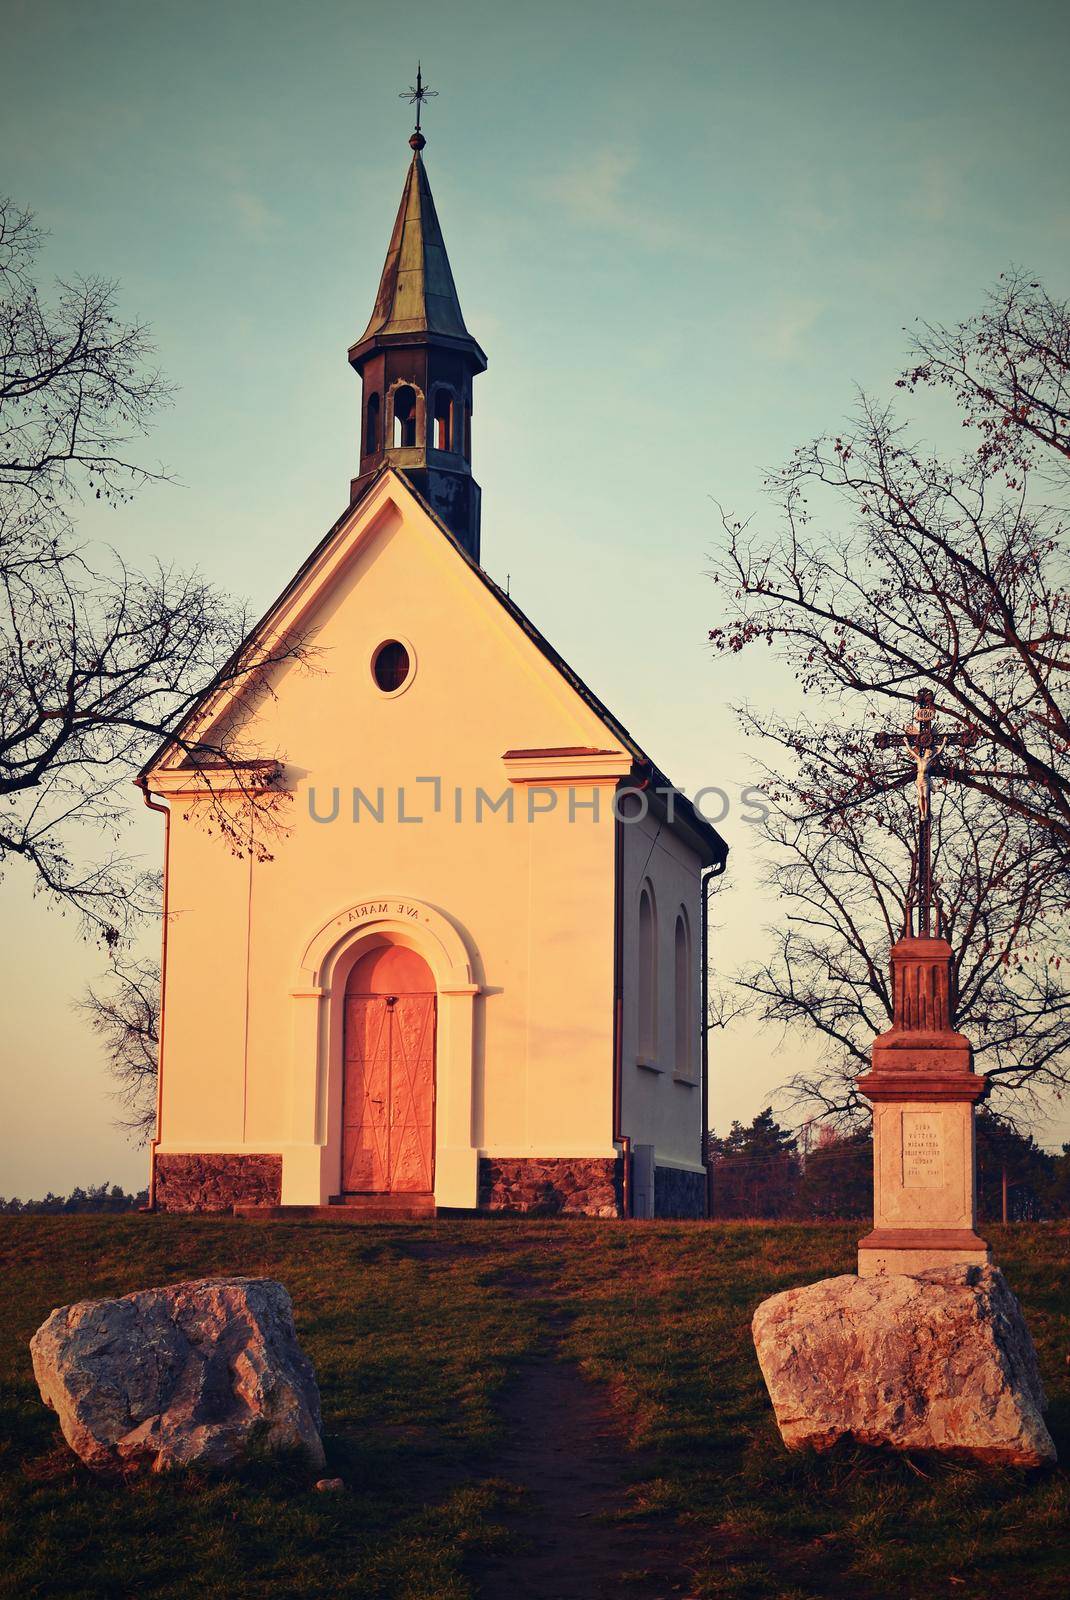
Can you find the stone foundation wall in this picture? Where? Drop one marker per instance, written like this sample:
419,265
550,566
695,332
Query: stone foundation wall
679,1194
552,1186
217,1182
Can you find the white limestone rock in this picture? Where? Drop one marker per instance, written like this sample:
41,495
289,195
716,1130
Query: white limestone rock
192,1374
941,1361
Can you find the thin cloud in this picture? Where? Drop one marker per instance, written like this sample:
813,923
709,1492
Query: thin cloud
237,195
784,334
252,212
935,192
597,191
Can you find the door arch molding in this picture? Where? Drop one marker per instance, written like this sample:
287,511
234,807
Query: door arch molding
315,1109
428,930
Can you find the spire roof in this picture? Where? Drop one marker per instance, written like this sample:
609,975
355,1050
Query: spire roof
417,295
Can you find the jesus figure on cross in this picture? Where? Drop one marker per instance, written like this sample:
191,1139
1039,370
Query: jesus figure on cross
924,756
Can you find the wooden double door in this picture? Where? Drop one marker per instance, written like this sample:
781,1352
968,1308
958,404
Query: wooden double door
388,1096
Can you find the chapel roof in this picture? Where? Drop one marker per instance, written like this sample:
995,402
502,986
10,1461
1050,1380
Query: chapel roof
417,295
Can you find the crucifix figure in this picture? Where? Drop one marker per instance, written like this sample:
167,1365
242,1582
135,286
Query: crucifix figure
925,748
923,783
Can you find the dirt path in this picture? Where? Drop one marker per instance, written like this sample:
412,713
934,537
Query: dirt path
565,1450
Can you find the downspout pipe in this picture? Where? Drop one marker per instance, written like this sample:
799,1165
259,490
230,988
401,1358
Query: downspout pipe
165,811
708,875
619,1137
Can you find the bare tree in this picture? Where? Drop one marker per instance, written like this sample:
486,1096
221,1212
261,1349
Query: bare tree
98,663
844,884
126,1019
75,389
892,569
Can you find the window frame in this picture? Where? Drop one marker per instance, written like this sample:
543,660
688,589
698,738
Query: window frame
381,644
647,1037
443,391
684,1070
410,421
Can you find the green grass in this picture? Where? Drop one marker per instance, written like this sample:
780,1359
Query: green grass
413,1331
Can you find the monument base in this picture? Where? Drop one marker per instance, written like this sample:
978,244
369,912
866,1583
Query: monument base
939,1362
912,1250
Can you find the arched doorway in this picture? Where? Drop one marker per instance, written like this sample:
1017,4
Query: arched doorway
388,1092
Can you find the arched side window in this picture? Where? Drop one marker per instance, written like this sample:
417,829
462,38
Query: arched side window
683,988
404,417
648,977
372,421
442,431
468,432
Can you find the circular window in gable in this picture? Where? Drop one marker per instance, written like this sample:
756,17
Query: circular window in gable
392,666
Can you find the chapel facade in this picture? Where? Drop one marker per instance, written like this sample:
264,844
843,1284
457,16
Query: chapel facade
469,973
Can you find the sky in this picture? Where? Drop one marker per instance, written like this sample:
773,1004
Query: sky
685,235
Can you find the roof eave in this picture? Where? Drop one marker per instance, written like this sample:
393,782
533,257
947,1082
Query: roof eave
691,825
370,342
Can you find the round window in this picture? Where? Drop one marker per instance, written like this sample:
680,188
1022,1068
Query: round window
391,666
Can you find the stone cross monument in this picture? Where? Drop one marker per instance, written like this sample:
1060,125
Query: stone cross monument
922,1084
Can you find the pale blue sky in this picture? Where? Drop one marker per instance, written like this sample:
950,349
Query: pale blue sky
681,232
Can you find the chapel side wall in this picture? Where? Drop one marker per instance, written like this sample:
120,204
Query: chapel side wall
662,1105
570,981
203,1069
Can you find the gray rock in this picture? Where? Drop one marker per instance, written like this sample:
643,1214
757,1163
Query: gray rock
941,1361
192,1374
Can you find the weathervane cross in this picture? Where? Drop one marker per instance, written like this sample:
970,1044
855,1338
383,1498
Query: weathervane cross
925,745
418,94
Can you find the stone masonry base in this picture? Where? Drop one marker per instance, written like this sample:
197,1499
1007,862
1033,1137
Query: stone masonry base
548,1186
217,1182
552,1186
679,1194
883,1263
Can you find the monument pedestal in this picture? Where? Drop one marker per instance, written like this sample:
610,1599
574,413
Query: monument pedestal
923,1089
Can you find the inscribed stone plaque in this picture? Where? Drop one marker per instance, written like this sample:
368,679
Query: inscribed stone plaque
923,1150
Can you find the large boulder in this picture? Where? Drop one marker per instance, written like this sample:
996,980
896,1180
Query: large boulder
940,1361
192,1374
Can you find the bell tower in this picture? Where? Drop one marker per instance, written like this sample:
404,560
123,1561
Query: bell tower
416,361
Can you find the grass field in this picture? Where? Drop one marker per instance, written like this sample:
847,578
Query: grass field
418,1332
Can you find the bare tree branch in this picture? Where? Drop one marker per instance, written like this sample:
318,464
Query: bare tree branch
843,885
126,1019
893,569
100,663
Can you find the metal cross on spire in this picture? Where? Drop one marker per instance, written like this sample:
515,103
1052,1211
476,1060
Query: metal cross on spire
925,745
416,97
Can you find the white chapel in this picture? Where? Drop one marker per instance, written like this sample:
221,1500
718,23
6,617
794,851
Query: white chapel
469,972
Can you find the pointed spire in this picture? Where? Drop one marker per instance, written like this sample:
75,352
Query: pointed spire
417,360
417,294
